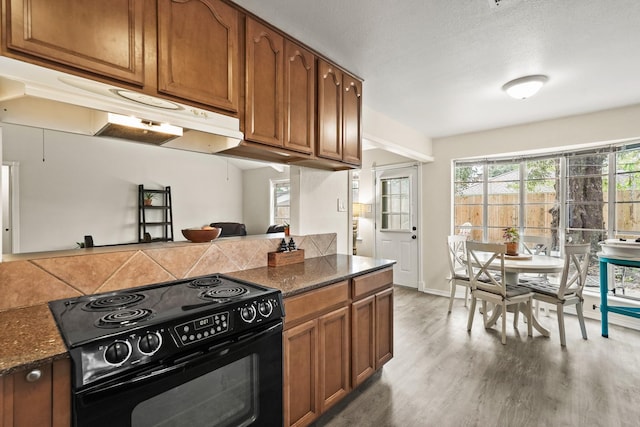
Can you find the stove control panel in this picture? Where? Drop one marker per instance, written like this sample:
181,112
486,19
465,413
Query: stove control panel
114,354
260,310
203,328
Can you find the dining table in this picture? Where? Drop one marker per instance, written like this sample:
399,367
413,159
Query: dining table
516,265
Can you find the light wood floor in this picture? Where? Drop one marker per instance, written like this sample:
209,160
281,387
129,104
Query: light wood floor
441,375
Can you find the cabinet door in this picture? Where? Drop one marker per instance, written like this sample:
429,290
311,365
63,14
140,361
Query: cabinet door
384,327
299,98
265,79
363,361
198,52
351,120
102,37
28,400
301,400
329,111
333,331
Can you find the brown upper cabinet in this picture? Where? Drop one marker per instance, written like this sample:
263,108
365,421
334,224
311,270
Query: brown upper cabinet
299,98
102,37
197,43
280,90
351,119
264,83
198,52
295,107
339,114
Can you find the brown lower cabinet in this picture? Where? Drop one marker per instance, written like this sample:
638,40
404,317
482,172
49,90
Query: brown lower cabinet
37,397
372,332
335,337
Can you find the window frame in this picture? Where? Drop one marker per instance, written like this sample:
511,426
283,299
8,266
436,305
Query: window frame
563,158
274,184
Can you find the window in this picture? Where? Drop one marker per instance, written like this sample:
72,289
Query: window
396,211
280,202
627,191
575,197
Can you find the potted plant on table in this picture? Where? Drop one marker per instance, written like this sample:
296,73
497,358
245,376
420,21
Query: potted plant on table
511,238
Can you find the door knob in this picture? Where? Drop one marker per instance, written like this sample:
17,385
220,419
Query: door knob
414,237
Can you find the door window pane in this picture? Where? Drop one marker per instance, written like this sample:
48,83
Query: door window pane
396,204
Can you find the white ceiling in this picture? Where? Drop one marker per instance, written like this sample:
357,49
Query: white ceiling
439,65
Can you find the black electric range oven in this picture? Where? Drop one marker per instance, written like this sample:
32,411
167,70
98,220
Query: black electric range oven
196,352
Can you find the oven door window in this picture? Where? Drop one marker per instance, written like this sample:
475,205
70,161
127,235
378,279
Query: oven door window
224,397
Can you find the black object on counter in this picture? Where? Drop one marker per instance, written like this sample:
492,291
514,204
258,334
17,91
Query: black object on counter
292,245
283,246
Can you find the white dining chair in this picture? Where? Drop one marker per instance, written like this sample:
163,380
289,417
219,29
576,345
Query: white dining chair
484,260
536,245
457,267
569,290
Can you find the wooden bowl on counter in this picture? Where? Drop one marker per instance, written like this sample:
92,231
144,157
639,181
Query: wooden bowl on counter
200,235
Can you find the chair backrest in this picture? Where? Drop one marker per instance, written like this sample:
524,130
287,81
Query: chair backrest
230,228
456,246
465,229
536,245
484,262
574,273
276,228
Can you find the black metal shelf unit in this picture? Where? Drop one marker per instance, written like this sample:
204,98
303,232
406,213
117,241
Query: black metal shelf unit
157,216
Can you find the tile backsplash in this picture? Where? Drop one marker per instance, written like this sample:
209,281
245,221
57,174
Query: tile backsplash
26,283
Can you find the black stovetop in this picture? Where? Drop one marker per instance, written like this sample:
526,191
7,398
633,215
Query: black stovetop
88,318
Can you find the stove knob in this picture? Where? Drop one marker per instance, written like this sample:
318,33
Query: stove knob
265,308
149,343
248,314
117,353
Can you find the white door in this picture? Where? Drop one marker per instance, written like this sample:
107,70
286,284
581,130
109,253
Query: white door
6,210
397,222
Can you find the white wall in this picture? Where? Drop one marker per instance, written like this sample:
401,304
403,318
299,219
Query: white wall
89,186
314,204
610,125
385,132
256,195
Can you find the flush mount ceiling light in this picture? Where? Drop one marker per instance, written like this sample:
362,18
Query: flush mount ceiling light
524,87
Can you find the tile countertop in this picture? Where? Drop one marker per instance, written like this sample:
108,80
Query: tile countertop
29,336
312,273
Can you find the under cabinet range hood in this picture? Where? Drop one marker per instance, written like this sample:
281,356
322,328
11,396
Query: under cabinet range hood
35,96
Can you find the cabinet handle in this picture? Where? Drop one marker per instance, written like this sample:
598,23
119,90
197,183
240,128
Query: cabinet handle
34,376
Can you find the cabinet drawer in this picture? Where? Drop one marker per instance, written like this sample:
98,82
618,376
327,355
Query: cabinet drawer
314,303
368,283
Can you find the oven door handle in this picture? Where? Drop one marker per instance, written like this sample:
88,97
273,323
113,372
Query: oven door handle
183,362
